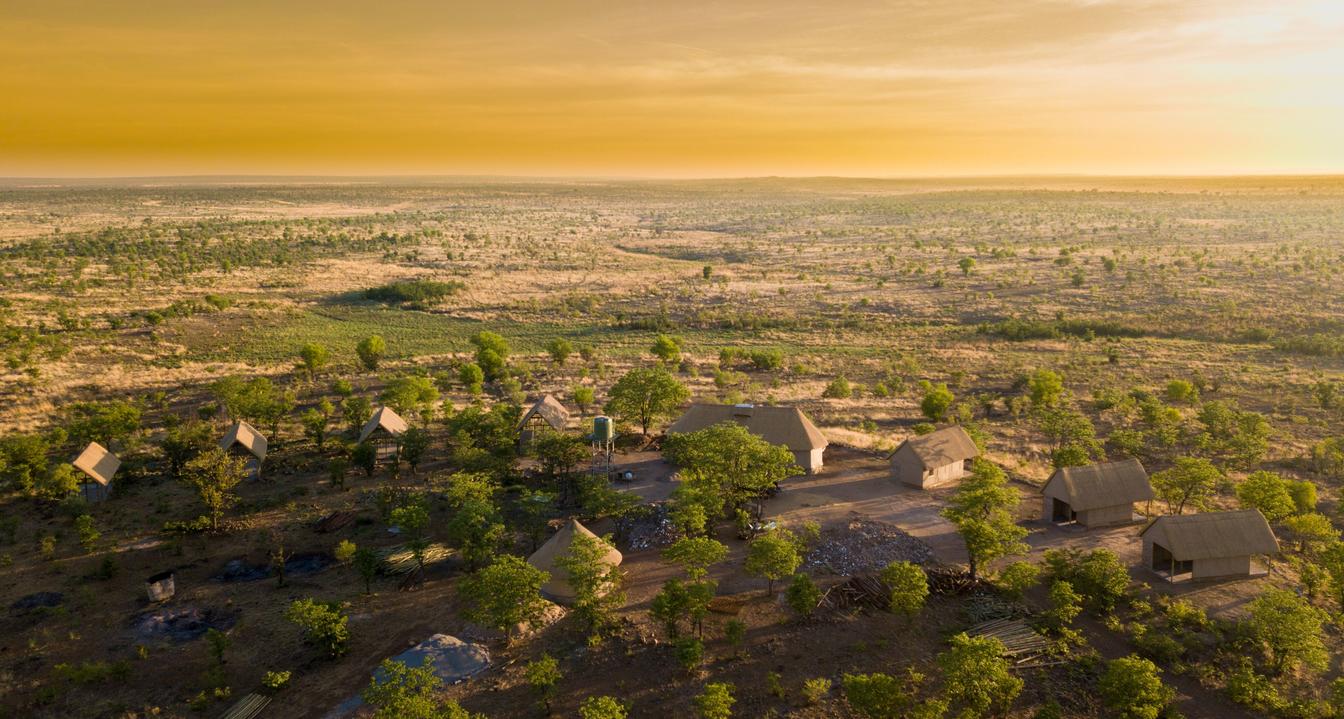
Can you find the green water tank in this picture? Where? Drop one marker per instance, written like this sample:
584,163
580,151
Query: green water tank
604,430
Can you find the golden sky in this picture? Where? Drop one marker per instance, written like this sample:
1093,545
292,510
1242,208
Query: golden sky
664,88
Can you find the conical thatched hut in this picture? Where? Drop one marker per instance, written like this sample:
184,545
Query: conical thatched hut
557,589
98,466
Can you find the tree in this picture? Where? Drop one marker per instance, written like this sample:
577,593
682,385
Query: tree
367,563
1098,575
505,594
802,595
1290,631
88,533
560,455
683,600
559,349
1132,688
596,583
1311,531
982,510
908,586
314,423
403,692
838,389
410,394
107,423
472,377
257,400
214,474
583,397
542,675
773,556
356,411
1065,605
1327,456
492,354
696,554
413,521
667,349
475,526
412,445
371,350
643,395
1238,437
1267,492
59,483
1045,387
1304,494
1016,578
877,696
323,624
1191,481
937,399
603,707
23,460
1179,390
715,702
977,677
724,466
312,358
365,456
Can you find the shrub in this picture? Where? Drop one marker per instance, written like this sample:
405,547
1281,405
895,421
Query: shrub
908,585
803,595
715,702
323,624
1018,577
838,389
275,681
1132,688
814,690
601,708
1098,576
422,292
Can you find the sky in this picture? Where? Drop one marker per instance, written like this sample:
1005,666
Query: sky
691,88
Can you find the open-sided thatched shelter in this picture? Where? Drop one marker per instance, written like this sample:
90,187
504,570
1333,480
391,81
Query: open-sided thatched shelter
1207,546
245,441
383,429
546,415
1097,495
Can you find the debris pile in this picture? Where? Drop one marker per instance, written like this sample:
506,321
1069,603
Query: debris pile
182,624
334,521
866,545
860,591
648,530
1022,645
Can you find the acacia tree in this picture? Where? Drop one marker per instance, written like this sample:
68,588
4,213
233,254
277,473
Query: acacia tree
1290,630
1267,492
214,474
596,583
643,395
773,556
982,509
505,594
312,358
724,466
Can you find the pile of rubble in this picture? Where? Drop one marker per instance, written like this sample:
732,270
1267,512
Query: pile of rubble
864,546
651,529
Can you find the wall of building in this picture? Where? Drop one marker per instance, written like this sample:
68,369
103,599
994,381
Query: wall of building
810,461
1222,567
946,474
1107,516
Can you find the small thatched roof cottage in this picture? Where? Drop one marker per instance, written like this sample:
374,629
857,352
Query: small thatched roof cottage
1207,546
383,429
544,416
98,465
244,440
558,589
1097,495
934,459
782,426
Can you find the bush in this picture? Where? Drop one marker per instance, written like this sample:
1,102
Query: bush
1098,576
1018,577
814,690
601,708
876,696
803,595
838,389
1132,688
323,624
690,652
413,291
275,681
908,586
715,702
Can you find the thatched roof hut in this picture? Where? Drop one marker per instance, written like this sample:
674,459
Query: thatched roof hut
558,589
1096,495
385,420
547,414
782,426
243,438
1208,545
934,459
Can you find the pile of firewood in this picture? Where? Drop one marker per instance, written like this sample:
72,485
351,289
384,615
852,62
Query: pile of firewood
1022,645
863,590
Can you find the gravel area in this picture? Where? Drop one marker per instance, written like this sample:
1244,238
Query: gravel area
865,546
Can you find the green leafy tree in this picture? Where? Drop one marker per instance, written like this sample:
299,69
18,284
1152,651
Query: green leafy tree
413,521
23,460
908,586
371,351
107,423
504,594
772,556
475,526
644,395
696,555
667,349
1328,457
492,354
410,394
1098,576
1132,688
323,625
1267,492
60,482
365,456
838,389
560,456
312,358
966,264
877,696
472,377
725,466
356,411
715,702
1304,494
543,673
1239,438
183,441
802,595
1018,577
977,677
88,533
603,707
403,692
1065,605
1179,390
982,510
596,584
214,474
412,445
1311,531
367,563
937,400
314,423
1190,482
1045,388
559,349
584,398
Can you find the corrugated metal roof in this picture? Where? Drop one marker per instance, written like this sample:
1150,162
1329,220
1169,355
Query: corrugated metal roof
784,426
1105,484
1215,534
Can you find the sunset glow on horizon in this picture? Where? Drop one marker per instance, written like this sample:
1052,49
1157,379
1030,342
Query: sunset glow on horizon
681,89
